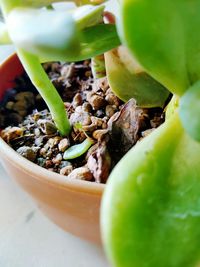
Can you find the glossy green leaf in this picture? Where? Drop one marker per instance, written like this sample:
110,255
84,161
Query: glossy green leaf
94,41
190,111
78,150
150,214
44,32
165,38
128,80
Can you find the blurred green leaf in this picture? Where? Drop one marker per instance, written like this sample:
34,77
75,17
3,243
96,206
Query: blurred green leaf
94,41
164,36
44,32
87,15
4,37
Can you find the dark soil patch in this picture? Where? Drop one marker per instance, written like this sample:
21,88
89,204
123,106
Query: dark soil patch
93,110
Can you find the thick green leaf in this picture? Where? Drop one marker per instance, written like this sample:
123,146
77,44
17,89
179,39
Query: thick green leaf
190,111
165,38
53,35
44,32
128,80
94,41
151,207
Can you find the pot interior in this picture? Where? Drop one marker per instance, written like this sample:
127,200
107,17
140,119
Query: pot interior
8,72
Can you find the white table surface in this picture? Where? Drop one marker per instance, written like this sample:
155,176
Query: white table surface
29,239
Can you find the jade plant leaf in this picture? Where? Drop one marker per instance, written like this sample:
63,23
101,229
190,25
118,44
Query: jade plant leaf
150,214
94,41
128,80
55,35
164,36
189,111
44,32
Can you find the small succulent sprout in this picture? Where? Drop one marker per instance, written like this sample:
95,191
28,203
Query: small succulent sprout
189,111
78,150
128,80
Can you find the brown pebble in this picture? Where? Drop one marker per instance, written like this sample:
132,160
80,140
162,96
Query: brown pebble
97,121
98,134
27,152
89,128
43,151
28,97
86,107
9,105
66,170
82,117
112,99
11,133
110,110
54,141
67,71
96,100
82,173
101,83
47,127
48,163
77,100
57,159
63,145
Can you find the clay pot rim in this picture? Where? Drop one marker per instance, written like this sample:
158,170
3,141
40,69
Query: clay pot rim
41,173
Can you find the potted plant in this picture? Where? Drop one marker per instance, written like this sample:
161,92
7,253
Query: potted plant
87,38
137,187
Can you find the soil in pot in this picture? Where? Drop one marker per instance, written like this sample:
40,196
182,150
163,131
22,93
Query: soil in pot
95,113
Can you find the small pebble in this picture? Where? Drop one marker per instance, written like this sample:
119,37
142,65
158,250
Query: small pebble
86,107
41,162
11,133
47,127
9,105
82,173
77,100
96,101
110,110
66,170
112,99
48,163
57,159
27,152
63,145
98,134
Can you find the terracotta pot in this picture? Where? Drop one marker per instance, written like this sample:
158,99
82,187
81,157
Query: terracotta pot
71,204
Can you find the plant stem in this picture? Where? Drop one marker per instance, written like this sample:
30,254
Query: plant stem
46,89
